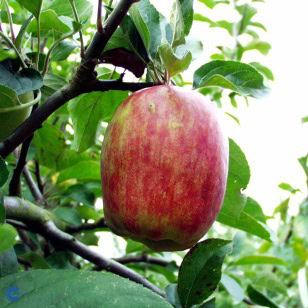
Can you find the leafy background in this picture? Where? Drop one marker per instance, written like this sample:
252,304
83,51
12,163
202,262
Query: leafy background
265,272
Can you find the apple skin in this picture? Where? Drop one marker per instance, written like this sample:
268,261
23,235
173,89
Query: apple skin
9,121
164,166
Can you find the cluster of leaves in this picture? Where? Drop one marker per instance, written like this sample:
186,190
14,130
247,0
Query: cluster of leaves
64,159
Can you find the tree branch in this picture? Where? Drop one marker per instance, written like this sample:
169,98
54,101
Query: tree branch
43,223
142,259
82,82
14,186
98,225
35,191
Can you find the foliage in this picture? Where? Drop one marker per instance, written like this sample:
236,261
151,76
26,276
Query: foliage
42,45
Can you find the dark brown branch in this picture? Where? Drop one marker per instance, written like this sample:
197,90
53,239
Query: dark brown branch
142,259
14,187
80,83
43,222
26,239
38,177
57,100
98,225
105,85
17,224
248,301
24,262
99,25
35,191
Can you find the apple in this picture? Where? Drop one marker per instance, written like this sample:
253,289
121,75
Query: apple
9,121
164,166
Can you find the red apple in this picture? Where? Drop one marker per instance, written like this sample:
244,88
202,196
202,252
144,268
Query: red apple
164,168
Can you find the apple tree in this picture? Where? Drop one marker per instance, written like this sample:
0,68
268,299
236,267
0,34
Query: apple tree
65,68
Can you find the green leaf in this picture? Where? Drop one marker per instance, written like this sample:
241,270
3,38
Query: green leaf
234,289
258,25
174,64
133,38
52,83
118,40
28,79
261,46
212,3
152,26
69,215
63,8
7,54
249,260
70,158
282,208
288,187
260,299
82,194
62,51
49,21
21,34
187,13
60,260
141,26
177,24
85,170
304,163
247,223
238,179
229,26
36,260
8,262
49,142
88,111
247,11
239,77
8,97
194,46
271,282
233,117
305,119
209,304
87,212
254,209
72,288
172,295
133,246
200,271
4,172
33,6
7,235
265,71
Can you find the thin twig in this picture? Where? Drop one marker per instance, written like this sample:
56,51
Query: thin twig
99,24
9,16
81,83
142,259
80,33
97,225
11,44
17,224
24,262
26,239
38,177
38,19
14,186
35,191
